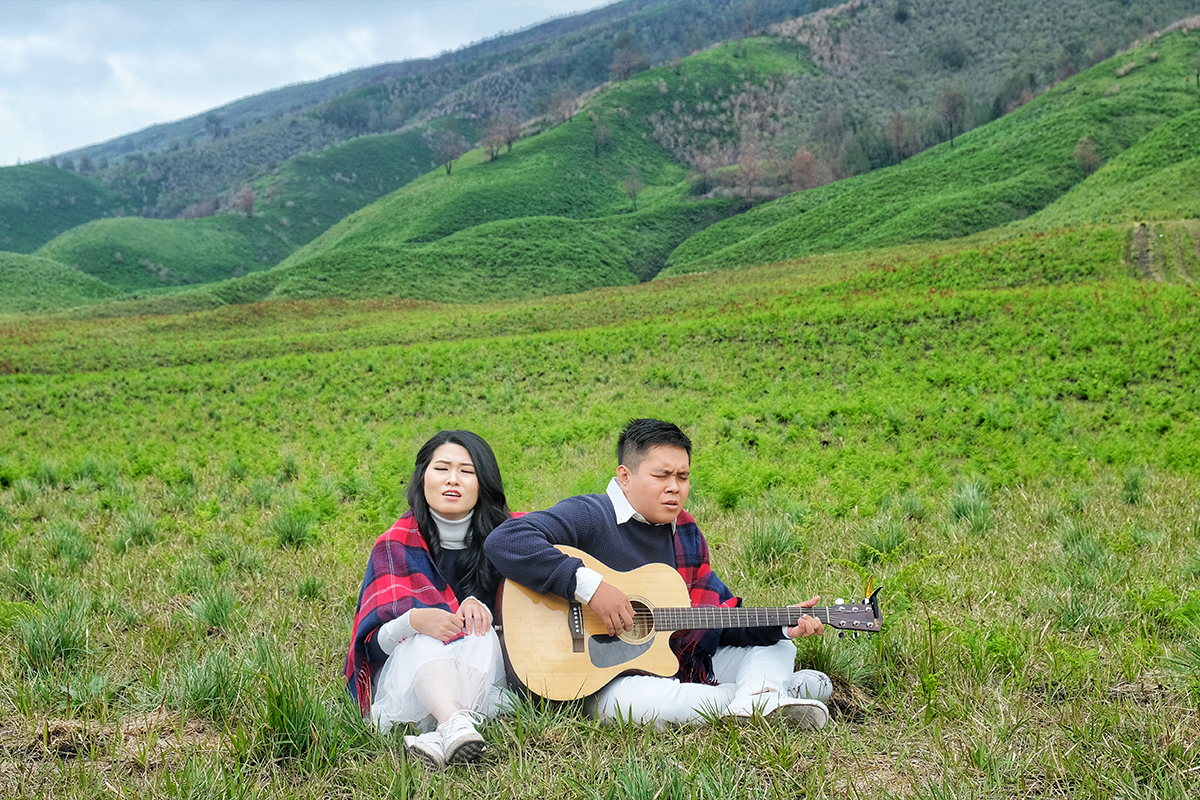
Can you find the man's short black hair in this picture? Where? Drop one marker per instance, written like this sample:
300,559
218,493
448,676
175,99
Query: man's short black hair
642,434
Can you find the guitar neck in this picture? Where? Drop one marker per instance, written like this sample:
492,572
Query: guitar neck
680,619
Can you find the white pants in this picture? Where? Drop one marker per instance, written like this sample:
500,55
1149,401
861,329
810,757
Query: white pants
468,670
741,671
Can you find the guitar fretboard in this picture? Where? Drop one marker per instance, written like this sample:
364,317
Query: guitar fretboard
676,619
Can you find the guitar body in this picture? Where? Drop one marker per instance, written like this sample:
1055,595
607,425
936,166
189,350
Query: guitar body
541,653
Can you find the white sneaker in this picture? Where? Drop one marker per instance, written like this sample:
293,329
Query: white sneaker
461,743
805,715
809,684
426,748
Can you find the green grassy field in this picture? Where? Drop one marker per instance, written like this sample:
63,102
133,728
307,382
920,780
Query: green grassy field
31,283
996,174
1002,433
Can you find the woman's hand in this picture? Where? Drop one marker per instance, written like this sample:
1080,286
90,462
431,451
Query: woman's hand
474,617
441,625
806,626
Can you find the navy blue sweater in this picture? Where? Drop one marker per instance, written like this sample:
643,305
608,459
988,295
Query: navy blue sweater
523,549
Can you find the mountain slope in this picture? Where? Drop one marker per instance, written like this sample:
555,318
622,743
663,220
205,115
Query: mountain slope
38,202
988,177
177,164
32,283
1157,178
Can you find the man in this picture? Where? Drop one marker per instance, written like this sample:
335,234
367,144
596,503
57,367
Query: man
640,520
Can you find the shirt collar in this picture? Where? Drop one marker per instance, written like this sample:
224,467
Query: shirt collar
622,507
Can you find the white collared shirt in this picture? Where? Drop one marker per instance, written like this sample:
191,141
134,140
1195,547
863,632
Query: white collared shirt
587,581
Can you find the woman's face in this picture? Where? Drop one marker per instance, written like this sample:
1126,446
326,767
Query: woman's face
451,487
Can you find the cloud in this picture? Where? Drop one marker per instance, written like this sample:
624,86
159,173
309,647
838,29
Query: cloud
77,73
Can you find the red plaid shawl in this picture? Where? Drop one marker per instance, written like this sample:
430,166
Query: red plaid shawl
401,575
695,649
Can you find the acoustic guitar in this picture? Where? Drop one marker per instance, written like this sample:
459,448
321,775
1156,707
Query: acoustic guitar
561,650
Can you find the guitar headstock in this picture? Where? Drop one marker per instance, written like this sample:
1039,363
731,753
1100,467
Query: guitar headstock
856,617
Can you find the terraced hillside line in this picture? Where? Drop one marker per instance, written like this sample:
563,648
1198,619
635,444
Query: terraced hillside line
1179,259
1144,255
1160,262
1189,256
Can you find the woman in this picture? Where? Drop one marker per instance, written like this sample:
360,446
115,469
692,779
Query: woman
419,653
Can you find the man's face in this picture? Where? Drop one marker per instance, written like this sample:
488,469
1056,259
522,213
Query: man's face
658,487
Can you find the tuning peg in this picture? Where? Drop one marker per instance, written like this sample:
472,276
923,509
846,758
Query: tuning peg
839,601
841,634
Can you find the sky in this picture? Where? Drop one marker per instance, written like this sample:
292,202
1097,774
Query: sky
79,72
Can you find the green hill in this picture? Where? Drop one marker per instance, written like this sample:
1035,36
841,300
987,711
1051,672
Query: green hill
135,253
991,176
289,207
38,202
418,237
32,283
1157,178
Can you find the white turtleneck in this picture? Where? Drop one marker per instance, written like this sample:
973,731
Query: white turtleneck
452,533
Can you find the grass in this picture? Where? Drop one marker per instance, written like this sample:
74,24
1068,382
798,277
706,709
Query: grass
33,283
858,419
135,254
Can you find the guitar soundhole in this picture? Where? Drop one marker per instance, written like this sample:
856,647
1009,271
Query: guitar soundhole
643,621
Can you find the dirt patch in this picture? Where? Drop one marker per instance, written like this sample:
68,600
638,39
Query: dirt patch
1144,253
144,740
881,771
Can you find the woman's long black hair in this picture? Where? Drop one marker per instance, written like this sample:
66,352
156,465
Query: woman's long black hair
481,578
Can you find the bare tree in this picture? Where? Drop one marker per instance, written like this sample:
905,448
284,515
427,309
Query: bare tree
601,134
806,171
950,105
1087,155
628,57
509,127
492,141
244,201
446,144
563,104
632,185
749,171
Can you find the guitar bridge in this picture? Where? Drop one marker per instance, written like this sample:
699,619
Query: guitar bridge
575,622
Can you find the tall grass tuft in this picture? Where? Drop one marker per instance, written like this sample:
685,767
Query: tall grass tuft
138,528
236,470
769,542
971,502
25,491
289,714
215,609
47,474
912,506
262,494
1184,665
52,640
210,689
293,528
882,543
289,469
1131,488
311,588
66,543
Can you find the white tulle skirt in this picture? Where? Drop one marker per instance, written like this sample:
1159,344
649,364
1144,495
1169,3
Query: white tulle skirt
469,670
